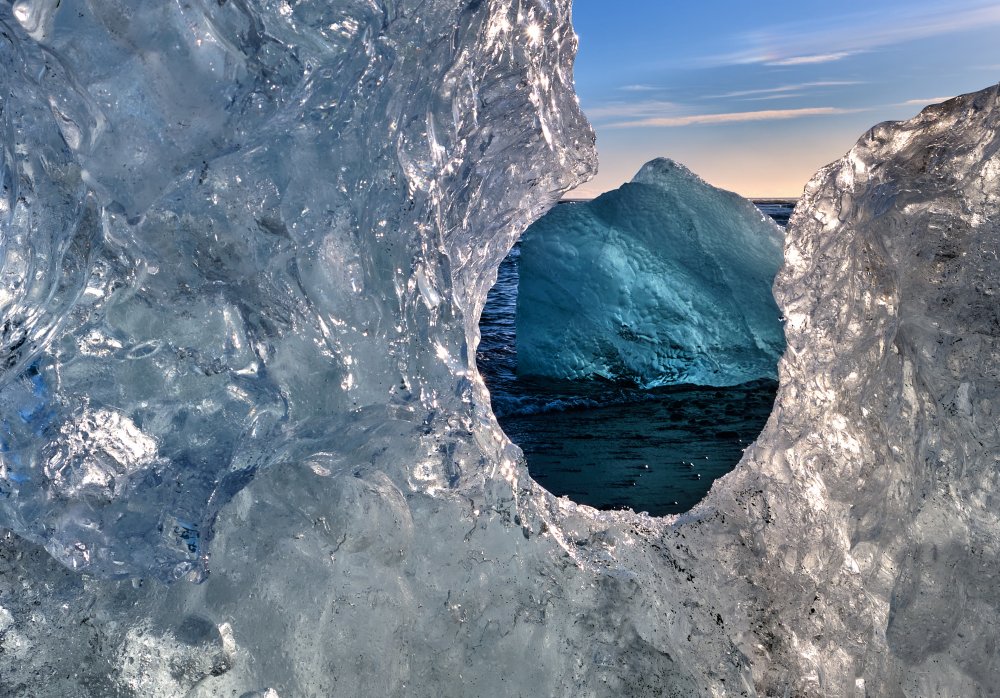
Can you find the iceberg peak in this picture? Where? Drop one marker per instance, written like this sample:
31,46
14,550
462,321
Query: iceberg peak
665,280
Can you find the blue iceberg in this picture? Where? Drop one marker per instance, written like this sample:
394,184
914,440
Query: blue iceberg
666,280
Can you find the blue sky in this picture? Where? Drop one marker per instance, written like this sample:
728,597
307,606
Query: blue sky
755,97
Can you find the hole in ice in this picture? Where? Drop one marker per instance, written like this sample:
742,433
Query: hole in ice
611,445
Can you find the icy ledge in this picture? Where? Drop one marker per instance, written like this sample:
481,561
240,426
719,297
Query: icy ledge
384,540
665,280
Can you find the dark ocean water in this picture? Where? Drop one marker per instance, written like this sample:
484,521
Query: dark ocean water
613,446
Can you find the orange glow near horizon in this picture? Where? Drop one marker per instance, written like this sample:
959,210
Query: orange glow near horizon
755,163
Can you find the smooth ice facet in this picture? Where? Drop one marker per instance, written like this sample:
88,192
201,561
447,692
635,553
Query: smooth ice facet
665,280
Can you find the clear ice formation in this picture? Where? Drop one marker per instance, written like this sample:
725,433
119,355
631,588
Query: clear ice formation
665,280
238,234
245,246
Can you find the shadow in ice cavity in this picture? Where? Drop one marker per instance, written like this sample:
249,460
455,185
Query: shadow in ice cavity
614,446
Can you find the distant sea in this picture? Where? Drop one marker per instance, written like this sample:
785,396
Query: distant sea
613,446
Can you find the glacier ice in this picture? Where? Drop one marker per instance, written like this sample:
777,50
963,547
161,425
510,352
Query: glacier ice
216,259
245,245
665,280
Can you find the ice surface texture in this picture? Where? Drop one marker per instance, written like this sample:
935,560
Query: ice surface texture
878,473
665,280
206,315
242,234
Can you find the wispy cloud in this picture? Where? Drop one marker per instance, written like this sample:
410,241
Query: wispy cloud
728,118
771,98
834,39
923,102
632,110
796,87
638,88
813,58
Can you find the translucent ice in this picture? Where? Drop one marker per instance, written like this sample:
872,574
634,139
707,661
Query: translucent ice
665,280
241,294
238,234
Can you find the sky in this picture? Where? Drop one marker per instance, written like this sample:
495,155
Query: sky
756,96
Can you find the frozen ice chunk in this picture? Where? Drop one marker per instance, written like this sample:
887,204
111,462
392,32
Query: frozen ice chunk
237,235
665,280
245,346
887,430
